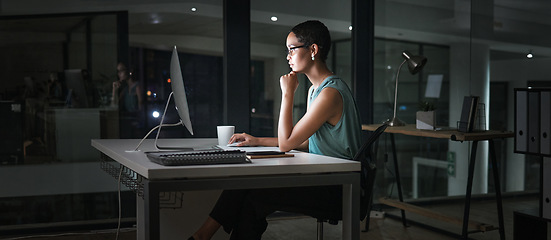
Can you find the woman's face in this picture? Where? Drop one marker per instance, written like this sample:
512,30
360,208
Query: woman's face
298,54
122,72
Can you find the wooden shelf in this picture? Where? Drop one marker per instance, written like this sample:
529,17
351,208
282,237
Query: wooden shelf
435,215
446,133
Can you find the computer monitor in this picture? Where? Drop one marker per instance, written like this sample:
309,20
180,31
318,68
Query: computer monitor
77,95
180,99
179,91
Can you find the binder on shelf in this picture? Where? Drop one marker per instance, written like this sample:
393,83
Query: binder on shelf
534,122
521,119
468,114
545,138
546,188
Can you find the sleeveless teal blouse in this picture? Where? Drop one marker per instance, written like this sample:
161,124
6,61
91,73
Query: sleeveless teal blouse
344,139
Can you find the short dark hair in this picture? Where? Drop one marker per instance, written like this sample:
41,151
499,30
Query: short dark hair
314,31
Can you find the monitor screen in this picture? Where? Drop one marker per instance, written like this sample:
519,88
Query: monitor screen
77,96
179,91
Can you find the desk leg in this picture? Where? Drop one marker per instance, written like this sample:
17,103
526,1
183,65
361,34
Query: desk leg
498,189
151,212
351,210
398,181
469,191
140,223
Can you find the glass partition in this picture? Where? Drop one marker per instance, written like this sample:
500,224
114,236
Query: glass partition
271,22
476,48
412,90
56,73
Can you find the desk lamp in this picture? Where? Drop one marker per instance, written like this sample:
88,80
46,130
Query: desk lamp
415,64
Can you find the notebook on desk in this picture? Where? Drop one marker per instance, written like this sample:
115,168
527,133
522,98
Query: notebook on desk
198,157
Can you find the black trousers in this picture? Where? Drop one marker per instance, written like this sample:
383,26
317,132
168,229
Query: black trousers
242,213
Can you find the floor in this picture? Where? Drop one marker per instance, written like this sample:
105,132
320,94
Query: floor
391,227
388,227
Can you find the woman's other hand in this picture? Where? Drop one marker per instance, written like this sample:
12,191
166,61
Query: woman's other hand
244,139
116,84
289,83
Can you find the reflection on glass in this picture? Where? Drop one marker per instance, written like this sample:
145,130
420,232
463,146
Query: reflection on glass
61,68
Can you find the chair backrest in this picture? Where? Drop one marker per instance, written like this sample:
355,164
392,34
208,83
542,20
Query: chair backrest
368,170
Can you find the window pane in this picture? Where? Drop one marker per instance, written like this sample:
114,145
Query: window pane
55,102
477,48
268,44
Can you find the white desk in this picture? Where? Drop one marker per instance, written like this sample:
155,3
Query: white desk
304,169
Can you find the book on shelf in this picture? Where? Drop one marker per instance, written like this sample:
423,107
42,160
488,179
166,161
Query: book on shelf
468,113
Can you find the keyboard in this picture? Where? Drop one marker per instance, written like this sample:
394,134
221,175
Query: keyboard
202,157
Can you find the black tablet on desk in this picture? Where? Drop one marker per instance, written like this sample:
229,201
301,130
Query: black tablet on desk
268,154
263,153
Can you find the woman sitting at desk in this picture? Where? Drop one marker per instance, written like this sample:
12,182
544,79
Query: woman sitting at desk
331,126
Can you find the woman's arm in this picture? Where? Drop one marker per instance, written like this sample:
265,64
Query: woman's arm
139,94
115,95
326,108
244,139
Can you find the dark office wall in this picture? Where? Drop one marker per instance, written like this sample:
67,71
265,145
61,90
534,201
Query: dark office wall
19,60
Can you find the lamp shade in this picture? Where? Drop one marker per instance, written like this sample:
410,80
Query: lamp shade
415,62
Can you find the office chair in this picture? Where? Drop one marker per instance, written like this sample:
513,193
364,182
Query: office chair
368,169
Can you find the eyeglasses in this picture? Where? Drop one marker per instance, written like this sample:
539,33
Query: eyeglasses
292,49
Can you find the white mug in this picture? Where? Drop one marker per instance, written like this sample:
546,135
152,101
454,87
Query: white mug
224,134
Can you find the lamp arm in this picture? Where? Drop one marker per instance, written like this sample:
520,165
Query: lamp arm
396,88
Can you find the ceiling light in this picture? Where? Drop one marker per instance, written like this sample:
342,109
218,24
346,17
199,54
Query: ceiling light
273,18
530,55
350,27
155,114
155,19
193,9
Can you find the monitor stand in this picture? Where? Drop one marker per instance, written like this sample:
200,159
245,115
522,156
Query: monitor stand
172,146
175,148
179,148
